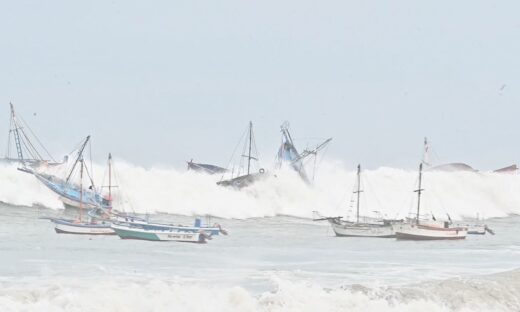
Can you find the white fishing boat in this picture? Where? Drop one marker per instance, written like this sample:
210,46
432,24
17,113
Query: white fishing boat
126,231
363,226
416,229
64,226
78,226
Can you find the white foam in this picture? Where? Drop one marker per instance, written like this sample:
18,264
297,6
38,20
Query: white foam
493,293
386,189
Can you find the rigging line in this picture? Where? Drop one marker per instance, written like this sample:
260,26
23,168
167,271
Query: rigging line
233,154
368,183
8,153
37,139
30,147
91,165
27,149
79,157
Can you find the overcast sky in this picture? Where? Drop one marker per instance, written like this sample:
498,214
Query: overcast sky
160,82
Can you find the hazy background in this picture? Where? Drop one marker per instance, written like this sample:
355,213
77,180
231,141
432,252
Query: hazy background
158,83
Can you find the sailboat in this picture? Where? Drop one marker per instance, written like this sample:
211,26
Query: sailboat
287,153
78,226
28,152
243,180
70,194
368,227
416,229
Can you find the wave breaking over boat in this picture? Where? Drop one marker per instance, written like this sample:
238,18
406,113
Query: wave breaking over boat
178,191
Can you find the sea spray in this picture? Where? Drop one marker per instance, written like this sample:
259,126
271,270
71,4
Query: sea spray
388,191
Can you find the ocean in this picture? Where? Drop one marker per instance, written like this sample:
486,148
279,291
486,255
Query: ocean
275,257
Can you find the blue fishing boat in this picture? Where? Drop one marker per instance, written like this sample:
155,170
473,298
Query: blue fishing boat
73,195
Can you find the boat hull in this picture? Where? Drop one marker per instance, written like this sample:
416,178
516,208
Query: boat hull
362,230
72,204
419,232
70,227
126,232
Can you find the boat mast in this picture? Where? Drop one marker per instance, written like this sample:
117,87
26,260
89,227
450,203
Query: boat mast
250,142
16,134
419,191
80,157
110,181
81,189
358,191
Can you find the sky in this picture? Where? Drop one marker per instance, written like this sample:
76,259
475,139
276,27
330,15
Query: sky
160,82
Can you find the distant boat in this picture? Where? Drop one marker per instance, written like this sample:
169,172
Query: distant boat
416,229
29,149
509,169
363,226
206,168
126,231
79,226
288,154
243,179
443,167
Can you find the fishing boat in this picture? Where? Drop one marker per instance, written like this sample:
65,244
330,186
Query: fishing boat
415,229
68,226
243,179
109,215
71,194
78,226
30,152
362,226
288,154
127,231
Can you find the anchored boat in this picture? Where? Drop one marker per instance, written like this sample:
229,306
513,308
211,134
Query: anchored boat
78,226
363,226
415,229
128,231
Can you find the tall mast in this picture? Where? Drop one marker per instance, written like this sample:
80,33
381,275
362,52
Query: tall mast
80,157
110,181
358,191
81,190
419,191
16,134
250,142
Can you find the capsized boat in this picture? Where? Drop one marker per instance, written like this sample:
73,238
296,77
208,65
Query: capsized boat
362,226
416,229
127,231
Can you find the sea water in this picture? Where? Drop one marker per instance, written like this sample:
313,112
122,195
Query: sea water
275,257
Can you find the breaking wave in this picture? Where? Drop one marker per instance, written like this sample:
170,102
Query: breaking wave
388,190
497,292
